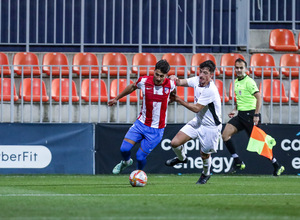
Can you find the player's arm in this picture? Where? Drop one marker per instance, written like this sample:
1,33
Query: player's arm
191,106
233,112
258,102
129,89
257,109
179,82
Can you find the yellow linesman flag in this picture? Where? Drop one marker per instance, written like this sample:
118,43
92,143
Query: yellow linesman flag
261,143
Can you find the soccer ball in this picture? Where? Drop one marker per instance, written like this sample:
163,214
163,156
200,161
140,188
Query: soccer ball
138,178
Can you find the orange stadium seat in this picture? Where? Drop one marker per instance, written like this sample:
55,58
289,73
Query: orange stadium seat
64,95
85,63
190,93
265,90
221,89
21,61
299,40
199,58
4,68
290,60
228,60
93,85
294,90
262,63
114,59
37,85
143,63
114,91
55,64
5,86
282,40
177,62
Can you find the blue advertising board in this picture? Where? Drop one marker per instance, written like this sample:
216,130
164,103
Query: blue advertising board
46,148
109,138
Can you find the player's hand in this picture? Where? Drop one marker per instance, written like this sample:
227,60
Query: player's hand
112,102
173,77
255,120
232,113
172,96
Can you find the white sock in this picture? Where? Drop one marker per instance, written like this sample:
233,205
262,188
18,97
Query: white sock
235,155
126,162
179,151
206,166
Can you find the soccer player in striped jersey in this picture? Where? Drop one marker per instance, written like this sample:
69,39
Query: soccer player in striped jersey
206,125
149,127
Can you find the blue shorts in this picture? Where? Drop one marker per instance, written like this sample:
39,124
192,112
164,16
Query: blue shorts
149,137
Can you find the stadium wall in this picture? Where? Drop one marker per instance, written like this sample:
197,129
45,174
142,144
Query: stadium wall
109,138
87,148
46,148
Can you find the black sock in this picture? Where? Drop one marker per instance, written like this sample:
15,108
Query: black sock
230,147
276,164
237,160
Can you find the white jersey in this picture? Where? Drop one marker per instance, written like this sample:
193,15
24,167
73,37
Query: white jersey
208,96
207,125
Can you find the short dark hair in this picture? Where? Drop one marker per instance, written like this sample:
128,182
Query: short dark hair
163,66
240,60
209,64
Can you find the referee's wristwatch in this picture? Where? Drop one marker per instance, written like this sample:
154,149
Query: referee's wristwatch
257,115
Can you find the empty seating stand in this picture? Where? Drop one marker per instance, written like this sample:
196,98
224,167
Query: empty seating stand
228,62
222,91
114,64
143,64
33,89
5,90
4,68
85,64
189,95
178,64
199,58
271,91
263,64
290,64
282,40
90,90
121,84
26,63
294,90
60,90
55,64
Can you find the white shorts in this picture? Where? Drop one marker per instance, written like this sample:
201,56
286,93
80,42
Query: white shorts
208,136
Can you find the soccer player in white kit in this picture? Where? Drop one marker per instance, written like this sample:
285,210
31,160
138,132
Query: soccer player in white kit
206,125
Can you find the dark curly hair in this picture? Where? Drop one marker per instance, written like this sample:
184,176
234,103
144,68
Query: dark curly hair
163,66
209,64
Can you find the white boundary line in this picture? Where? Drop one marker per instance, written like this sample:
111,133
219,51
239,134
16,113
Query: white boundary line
162,195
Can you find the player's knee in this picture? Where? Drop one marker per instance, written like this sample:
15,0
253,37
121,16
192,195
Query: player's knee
204,156
141,156
225,136
126,146
174,143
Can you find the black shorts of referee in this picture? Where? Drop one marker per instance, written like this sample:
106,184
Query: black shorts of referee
244,121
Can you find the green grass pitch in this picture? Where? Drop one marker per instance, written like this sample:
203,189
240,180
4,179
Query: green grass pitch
164,197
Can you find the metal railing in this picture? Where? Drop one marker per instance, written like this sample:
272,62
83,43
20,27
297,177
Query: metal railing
34,110
134,25
275,13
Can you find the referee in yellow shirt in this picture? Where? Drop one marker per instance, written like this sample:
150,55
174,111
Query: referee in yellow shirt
245,115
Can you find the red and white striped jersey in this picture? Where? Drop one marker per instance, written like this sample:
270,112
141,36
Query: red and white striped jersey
155,101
